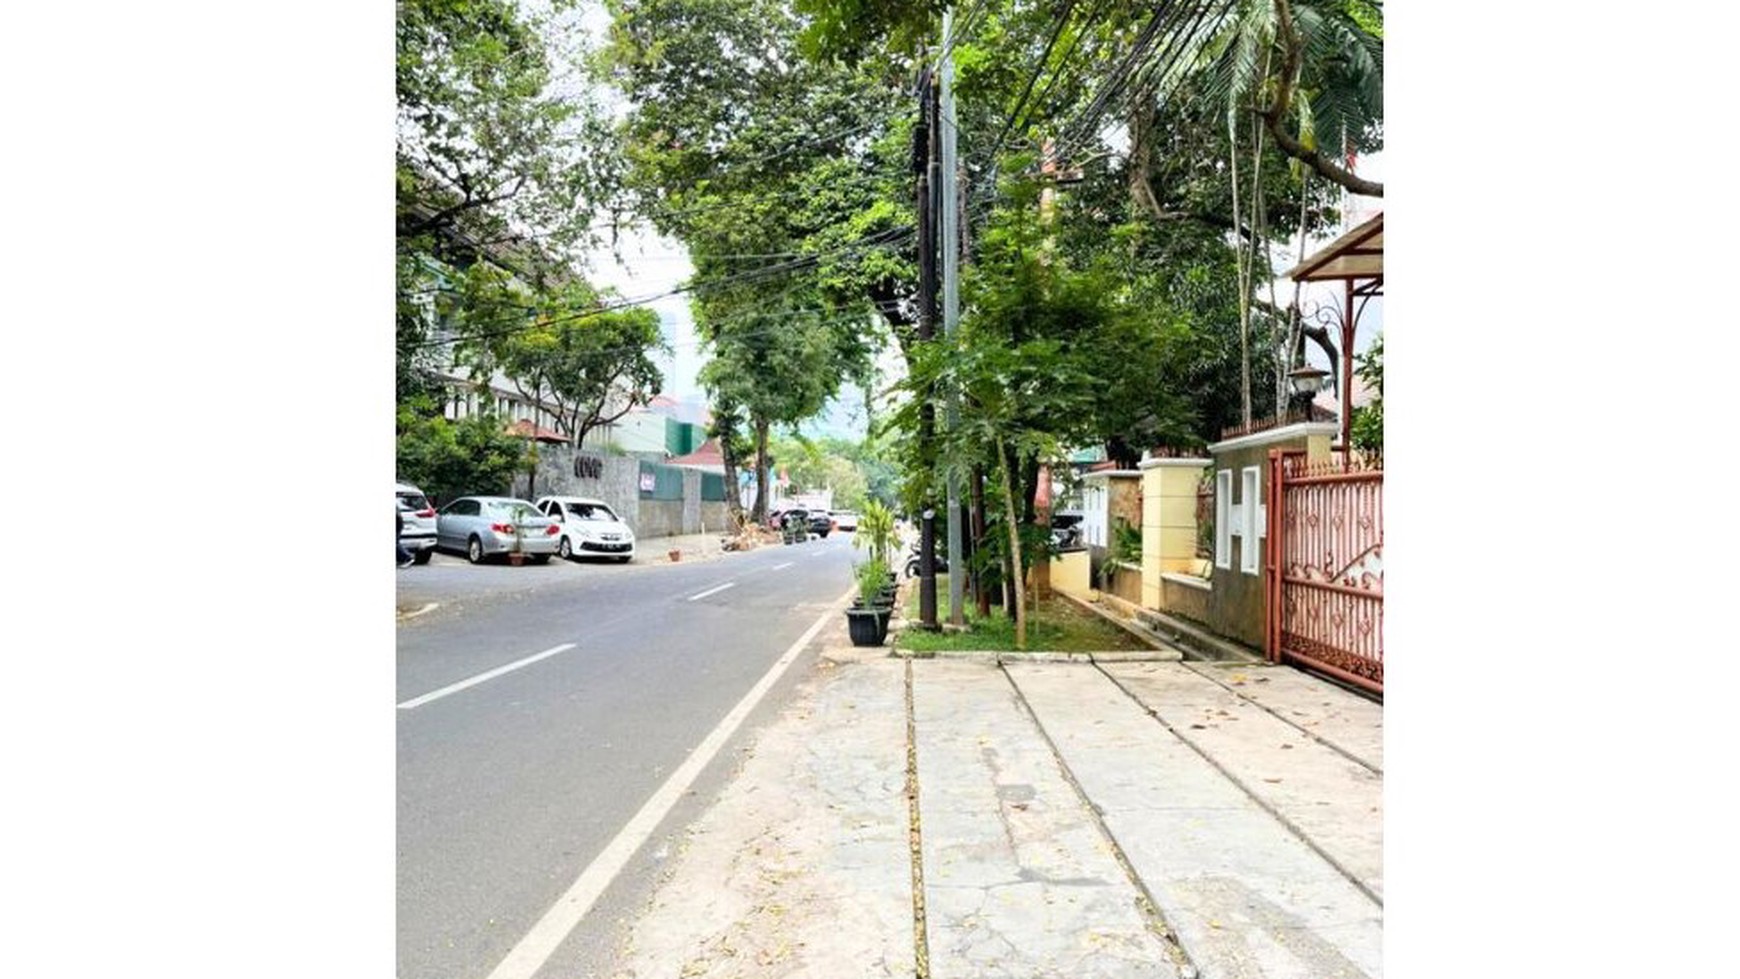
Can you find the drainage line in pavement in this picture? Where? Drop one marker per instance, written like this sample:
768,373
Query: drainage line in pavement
1145,903
920,940
1253,796
1361,762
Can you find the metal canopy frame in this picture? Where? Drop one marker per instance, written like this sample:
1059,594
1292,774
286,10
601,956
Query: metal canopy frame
1356,259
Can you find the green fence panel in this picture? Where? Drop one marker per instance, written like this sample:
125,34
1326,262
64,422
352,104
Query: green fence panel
712,487
659,482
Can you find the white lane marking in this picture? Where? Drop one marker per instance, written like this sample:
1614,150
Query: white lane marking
713,591
785,565
526,958
481,677
432,606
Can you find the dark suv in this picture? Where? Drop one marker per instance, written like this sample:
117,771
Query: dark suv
821,522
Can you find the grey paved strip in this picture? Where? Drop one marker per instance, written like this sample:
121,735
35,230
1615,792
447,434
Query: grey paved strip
1019,880
1246,897
1335,803
1353,724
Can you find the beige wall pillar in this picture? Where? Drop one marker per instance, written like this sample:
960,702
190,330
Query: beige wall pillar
1168,521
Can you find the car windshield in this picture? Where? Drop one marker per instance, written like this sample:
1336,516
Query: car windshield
413,501
591,511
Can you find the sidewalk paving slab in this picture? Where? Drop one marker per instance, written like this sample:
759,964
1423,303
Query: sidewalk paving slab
1019,880
1246,897
1334,802
1350,722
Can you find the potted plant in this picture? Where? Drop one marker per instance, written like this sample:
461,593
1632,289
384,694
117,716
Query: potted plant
867,620
875,532
516,554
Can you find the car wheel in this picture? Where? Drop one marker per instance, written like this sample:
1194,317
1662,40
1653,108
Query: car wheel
423,556
539,558
824,535
565,550
474,551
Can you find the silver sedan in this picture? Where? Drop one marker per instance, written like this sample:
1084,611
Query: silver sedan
482,526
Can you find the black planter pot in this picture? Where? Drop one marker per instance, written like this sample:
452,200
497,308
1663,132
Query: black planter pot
866,626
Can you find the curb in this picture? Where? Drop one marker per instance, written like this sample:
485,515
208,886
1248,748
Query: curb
1001,656
1170,630
1169,653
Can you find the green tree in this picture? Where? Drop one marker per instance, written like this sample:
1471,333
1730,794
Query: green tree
498,168
1366,428
586,369
486,148
449,458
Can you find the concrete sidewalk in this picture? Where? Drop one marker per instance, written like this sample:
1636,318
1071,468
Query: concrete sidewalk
694,547
953,818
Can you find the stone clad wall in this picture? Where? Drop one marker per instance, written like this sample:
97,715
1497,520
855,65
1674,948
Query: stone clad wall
616,481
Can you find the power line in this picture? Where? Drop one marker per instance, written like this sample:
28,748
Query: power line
1136,66
1045,56
883,308
891,236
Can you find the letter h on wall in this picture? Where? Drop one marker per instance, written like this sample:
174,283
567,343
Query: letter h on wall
1246,519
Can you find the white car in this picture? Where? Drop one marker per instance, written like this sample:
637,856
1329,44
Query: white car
418,533
588,527
846,520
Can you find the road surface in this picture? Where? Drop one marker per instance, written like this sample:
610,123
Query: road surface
539,709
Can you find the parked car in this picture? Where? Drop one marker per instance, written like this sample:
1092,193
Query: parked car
417,532
483,526
846,520
588,527
821,522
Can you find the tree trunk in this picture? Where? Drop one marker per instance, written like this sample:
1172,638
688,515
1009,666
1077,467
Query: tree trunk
760,511
981,597
733,497
1029,484
1014,552
1244,279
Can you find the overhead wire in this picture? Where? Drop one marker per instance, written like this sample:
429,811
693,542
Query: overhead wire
888,237
640,301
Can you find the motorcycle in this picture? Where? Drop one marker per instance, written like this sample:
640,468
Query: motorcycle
942,563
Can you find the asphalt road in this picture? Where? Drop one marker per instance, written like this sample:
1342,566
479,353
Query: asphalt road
509,787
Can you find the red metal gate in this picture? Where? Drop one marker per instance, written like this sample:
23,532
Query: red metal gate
1324,561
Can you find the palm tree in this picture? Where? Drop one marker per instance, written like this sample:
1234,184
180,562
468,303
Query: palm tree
1310,70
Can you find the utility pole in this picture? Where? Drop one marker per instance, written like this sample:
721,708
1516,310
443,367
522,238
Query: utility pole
951,299
925,163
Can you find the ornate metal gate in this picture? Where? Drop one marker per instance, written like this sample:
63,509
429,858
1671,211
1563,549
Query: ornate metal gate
1324,561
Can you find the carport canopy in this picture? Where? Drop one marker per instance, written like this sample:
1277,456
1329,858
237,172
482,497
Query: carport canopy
1358,254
